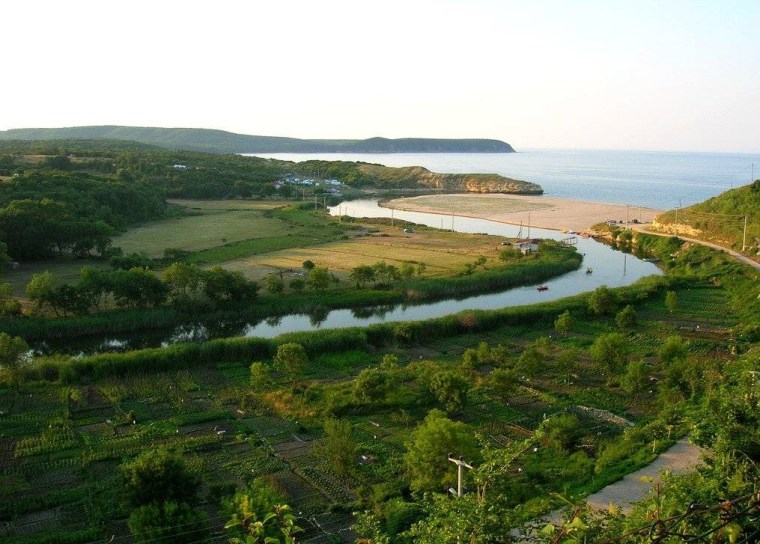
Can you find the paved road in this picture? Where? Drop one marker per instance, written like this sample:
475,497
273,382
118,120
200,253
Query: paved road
738,256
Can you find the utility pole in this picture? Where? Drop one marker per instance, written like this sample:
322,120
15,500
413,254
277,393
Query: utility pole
744,239
528,224
459,463
627,207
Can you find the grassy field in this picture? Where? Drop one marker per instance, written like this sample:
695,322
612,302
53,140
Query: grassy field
444,253
213,224
258,238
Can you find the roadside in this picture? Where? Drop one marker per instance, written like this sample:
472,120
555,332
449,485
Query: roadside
738,256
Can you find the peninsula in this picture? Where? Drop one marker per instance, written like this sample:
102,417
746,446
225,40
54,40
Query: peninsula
220,141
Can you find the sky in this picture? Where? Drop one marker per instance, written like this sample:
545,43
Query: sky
669,75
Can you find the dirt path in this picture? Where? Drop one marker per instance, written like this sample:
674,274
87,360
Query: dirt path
679,458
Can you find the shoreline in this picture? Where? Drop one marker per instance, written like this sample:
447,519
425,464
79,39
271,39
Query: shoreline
533,210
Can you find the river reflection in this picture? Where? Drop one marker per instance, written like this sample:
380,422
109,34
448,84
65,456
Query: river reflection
610,267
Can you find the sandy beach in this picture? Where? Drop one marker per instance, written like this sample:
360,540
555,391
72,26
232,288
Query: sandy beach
536,211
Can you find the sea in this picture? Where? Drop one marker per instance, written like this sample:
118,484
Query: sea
652,179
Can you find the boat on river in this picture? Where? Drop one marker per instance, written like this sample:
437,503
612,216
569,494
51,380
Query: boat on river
542,288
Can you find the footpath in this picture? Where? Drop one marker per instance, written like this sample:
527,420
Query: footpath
680,458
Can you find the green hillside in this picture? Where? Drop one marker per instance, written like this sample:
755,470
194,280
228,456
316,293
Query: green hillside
731,219
219,141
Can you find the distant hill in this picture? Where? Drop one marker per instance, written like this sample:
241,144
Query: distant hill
720,220
219,141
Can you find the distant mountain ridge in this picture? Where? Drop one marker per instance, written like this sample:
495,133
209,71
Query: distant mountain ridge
220,141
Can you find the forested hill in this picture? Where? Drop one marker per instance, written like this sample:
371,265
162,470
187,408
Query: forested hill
219,141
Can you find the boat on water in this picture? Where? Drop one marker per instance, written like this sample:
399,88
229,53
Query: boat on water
588,270
542,288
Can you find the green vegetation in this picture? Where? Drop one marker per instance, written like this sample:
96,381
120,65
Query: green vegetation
310,435
730,220
332,422
219,141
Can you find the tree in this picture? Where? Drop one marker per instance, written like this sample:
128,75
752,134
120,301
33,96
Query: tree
41,287
182,279
8,304
602,301
297,284
12,356
291,359
226,287
318,278
308,265
274,283
426,459
159,476
626,318
361,275
671,301
259,376
503,381
371,386
168,522
636,377
407,270
563,323
339,445
450,388
611,352
674,348
559,431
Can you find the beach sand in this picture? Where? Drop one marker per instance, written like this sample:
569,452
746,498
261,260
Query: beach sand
536,211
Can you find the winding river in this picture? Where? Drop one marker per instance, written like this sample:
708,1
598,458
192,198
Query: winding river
610,267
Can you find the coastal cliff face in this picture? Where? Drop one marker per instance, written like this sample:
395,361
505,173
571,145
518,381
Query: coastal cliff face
418,177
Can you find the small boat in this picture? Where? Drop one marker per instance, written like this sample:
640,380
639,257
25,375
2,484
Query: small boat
542,288
588,270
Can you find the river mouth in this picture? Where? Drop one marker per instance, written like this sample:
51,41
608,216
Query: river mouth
610,267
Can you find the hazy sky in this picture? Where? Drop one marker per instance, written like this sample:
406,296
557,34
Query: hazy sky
635,74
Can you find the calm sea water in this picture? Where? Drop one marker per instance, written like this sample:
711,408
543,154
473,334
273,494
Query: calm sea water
639,178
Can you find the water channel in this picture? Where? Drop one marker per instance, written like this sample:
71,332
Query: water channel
610,267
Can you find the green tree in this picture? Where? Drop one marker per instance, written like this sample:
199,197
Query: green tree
168,522
339,446
636,377
291,359
12,357
626,318
407,270
318,278
226,287
41,287
610,351
563,323
308,265
183,280
371,386
361,275
671,301
450,389
559,431
431,443
8,304
297,285
274,283
503,382
158,476
674,348
259,376
602,301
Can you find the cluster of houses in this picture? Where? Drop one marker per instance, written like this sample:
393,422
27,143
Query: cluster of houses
333,185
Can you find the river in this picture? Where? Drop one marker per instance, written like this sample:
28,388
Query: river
610,267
